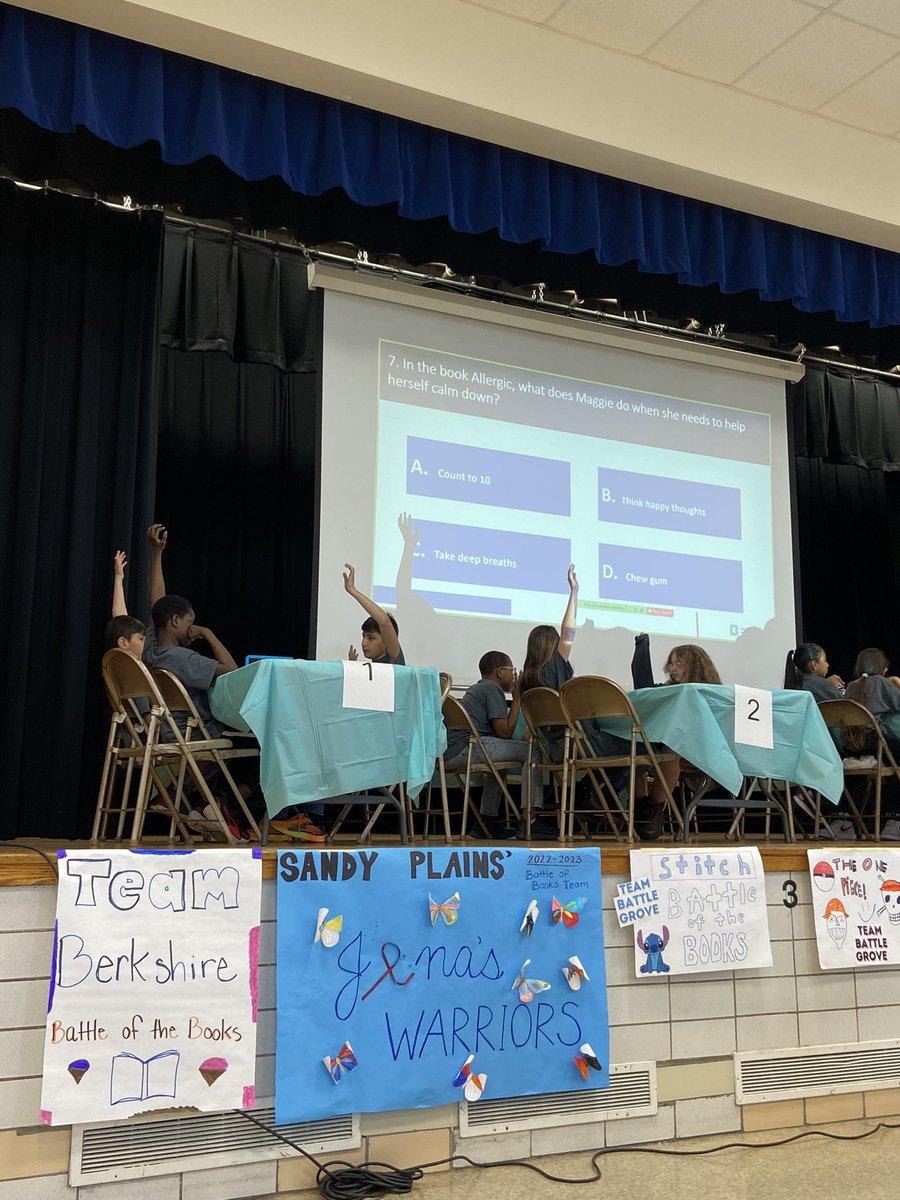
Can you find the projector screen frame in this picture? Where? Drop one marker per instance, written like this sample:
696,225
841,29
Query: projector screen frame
356,282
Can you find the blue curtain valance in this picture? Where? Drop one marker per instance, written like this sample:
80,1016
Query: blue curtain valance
61,75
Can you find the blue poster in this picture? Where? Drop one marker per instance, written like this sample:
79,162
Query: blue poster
408,978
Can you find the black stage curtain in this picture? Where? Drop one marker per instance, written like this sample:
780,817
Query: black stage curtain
236,472
245,297
236,489
78,417
846,430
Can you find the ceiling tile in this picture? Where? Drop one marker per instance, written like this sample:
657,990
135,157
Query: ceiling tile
873,103
721,39
882,14
620,24
527,10
821,60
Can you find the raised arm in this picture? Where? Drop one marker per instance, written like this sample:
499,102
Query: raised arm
641,664
404,571
119,607
567,628
385,628
157,536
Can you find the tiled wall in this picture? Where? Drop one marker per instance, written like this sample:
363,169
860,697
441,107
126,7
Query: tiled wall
689,1025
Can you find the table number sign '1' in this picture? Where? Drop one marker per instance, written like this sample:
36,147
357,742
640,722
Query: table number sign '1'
369,685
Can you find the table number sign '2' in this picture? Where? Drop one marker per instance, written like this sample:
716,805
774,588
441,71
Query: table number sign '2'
753,724
369,685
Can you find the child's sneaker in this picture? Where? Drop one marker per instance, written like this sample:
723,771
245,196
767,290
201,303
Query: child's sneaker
299,827
234,829
840,829
891,831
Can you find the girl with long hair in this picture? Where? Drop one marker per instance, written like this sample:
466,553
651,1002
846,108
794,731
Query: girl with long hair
686,664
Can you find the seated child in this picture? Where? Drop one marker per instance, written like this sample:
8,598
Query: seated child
879,692
547,660
685,664
807,668
547,664
167,643
380,643
485,702
167,647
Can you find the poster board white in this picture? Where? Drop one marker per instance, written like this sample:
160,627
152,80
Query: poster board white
153,983
856,907
712,911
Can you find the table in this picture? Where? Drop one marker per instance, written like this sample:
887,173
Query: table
696,720
312,749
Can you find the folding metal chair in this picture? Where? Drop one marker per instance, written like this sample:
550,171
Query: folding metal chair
424,809
204,747
542,711
456,717
128,682
590,697
848,714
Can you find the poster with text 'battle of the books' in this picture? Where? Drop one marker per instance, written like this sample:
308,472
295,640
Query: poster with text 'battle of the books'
856,906
695,910
410,978
153,983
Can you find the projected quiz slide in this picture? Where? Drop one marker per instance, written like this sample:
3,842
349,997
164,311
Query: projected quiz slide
509,473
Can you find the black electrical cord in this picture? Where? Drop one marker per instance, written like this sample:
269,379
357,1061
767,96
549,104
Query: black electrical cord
34,850
357,1183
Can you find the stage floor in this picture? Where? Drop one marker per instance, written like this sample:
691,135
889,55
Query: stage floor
23,862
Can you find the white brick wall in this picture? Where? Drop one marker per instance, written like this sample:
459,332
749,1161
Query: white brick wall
684,1019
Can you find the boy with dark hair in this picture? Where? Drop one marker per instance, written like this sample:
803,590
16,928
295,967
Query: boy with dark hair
485,702
380,640
123,632
167,644
167,647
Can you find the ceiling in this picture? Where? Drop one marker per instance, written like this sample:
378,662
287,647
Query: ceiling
839,59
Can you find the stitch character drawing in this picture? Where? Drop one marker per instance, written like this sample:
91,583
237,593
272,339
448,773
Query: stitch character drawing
653,945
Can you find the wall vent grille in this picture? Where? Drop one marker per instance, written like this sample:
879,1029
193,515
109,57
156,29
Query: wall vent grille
764,1075
148,1146
632,1092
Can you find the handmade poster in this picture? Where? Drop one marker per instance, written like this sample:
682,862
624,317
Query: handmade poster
153,983
408,978
856,907
711,911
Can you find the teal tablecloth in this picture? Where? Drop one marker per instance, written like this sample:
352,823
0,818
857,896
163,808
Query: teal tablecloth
697,721
312,748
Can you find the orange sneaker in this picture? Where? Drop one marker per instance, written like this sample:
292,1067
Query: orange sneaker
298,827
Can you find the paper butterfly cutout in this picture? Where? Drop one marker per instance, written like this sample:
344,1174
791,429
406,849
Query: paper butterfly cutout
575,972
471,1084
328,932
530,919
587,1060
567,913
528,987
449,910
342,1063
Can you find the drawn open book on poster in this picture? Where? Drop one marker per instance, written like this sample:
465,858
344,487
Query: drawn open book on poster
134,1078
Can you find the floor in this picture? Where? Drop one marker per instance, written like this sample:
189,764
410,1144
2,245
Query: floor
858,1158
